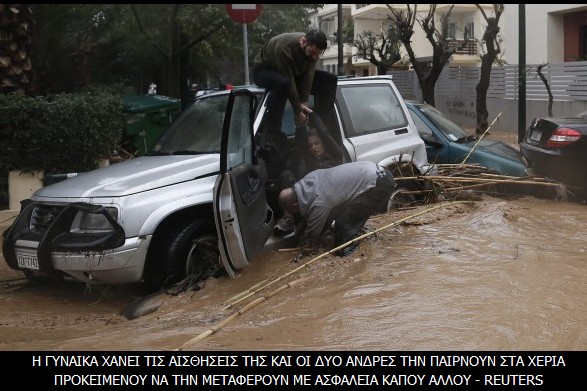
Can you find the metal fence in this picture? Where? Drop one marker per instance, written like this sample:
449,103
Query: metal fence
567,81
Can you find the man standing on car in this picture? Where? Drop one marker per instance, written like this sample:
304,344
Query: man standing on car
347,194
286,66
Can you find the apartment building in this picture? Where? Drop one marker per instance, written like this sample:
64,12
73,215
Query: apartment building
465,25
327,20
554,33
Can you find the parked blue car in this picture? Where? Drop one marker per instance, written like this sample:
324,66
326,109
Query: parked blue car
448,143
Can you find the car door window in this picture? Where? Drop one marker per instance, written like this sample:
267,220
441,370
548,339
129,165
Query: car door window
240,149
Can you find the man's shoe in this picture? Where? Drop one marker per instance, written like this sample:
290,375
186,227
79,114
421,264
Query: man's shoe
285,225
348,250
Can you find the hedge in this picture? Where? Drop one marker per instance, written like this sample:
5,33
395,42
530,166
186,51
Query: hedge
60,133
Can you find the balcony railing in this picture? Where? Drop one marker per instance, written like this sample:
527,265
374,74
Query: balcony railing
464,46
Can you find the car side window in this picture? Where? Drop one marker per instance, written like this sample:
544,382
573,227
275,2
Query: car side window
371,109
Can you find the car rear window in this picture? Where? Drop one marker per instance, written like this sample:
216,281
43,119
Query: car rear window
371,109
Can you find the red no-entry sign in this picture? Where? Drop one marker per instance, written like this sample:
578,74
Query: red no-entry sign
244,13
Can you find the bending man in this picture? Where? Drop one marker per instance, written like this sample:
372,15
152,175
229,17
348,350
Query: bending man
347,194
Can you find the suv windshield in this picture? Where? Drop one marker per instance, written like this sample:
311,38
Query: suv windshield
197,130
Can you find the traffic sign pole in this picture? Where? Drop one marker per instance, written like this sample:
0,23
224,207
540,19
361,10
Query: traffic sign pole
246,52
244,13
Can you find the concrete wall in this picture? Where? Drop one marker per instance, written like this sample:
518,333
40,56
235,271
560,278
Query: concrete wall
22,185
462,111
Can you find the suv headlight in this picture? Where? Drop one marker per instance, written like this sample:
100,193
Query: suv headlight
94,222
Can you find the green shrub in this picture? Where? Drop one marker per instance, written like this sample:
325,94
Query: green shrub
60,133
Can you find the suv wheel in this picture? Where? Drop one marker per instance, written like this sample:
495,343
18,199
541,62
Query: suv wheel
400,198
187,254
203,258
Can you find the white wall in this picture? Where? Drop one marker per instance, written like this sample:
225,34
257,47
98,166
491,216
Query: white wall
544,32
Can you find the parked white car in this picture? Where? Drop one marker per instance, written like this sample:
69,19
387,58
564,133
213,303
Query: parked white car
200,198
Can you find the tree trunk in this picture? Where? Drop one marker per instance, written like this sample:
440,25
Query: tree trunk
481,99
172,77
441,53
428,88
493,49
381,68
547,85
173,66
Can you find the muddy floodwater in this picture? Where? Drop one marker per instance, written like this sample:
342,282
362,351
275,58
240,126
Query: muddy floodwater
491,274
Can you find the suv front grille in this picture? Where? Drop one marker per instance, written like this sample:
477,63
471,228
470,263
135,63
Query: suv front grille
43,215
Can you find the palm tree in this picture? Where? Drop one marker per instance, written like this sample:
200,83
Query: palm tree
16,23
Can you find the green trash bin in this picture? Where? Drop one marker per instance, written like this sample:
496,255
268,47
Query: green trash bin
146,118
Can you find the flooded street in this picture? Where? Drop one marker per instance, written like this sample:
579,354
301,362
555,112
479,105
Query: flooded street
491,274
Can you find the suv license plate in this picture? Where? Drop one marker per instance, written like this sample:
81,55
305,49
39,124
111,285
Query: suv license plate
535,135
27,261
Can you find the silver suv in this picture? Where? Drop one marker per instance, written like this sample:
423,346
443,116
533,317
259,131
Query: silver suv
200,199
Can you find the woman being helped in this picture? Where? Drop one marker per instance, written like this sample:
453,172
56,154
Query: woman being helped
316,149
317,146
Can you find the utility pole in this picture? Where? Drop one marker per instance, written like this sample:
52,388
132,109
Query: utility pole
522,72
340,43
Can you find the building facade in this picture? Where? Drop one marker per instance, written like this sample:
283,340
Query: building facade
554,33
465,26
327,20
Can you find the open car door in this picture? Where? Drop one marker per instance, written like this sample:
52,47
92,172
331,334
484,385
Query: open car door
244,220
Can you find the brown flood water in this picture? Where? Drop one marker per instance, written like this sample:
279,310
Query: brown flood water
494,274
